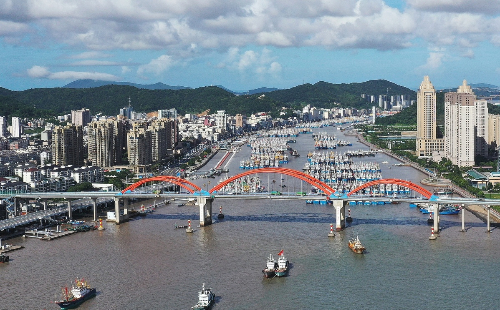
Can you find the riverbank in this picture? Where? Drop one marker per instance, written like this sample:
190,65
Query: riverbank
479,211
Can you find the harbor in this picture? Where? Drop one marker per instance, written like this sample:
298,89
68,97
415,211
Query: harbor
141,257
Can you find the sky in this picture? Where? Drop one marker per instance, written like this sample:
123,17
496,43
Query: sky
247,44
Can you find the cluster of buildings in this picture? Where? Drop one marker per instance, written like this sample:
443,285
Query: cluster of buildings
467,126
87,145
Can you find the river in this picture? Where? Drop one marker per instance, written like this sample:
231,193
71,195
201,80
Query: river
148,264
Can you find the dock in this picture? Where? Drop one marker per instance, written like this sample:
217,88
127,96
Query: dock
47,234
9,248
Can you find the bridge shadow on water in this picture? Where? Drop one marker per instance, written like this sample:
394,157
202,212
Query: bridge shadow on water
313,218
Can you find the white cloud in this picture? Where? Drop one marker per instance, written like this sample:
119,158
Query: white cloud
38,72
252,63
43,72
156,66
188,28
460,6
90,54
434,61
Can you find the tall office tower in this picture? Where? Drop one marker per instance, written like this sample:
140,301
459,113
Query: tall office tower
67,145
374,114
466,126
106,143
139,146
427,141
494,129
481,141
17,129
80,117
159,139
3,126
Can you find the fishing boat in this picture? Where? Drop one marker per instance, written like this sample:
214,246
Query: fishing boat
283,265
271,266
356,246
4,258
80,292
206,299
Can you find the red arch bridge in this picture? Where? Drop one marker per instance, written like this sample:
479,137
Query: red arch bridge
205,198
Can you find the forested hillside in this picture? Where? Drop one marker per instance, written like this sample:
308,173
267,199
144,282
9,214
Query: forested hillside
108,99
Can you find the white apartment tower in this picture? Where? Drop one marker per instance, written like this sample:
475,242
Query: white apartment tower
17,129
3,126
427,141
466,126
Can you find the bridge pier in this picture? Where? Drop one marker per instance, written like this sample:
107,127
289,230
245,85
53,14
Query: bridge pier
70,212
435,208
94,208
205,204
339,205
117,211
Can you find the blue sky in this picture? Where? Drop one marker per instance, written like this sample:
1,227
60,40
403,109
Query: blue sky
246,44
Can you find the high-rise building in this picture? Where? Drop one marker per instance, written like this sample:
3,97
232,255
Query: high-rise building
3,126
159,139
106,143
17,129
427,141
80,117
466,128
139,146
67,145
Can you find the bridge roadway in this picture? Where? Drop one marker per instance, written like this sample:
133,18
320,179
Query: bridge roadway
88,198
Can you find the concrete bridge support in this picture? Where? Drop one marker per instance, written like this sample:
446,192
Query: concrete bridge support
463,218
94,208
435,209
339,205
70,211
205,204
117,211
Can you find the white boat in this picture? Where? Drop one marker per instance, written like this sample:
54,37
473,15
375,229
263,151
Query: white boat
206,299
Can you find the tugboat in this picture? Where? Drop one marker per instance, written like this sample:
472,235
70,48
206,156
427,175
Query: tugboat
206,298
80,292
4,258
271,266
356,246
283,265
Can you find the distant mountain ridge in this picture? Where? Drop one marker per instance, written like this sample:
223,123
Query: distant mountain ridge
87,83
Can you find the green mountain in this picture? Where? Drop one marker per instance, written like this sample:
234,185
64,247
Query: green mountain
327,95
108,99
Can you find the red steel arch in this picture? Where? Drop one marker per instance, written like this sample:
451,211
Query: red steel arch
165,178
291,172
404,183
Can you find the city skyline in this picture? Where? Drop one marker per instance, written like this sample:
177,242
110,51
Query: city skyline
244,45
